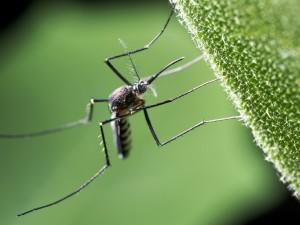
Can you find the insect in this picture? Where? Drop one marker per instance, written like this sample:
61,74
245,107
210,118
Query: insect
123,102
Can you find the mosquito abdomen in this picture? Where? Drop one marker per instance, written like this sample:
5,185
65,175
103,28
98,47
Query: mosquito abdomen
122,137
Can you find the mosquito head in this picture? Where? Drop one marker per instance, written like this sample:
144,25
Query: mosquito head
140,87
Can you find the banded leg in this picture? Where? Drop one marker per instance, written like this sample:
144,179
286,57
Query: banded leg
84,185
147,46
83,121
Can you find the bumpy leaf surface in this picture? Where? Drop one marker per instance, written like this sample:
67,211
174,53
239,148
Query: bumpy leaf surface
254,47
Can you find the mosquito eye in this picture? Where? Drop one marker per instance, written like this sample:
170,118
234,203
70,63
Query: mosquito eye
142,88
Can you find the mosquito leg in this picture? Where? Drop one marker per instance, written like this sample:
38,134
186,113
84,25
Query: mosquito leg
185,131
83,121
116,118
107,160
201,123
181,95
84,185
147,46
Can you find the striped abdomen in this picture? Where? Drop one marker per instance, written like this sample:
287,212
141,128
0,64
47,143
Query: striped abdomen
121,135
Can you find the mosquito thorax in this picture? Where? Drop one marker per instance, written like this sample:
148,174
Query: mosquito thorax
126,98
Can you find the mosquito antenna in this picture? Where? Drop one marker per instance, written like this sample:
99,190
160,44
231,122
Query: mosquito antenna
153,77
130,58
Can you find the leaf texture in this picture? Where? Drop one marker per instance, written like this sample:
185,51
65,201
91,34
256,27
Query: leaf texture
254,47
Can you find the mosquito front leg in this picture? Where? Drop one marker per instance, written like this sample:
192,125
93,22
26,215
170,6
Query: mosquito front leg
181,95
147,46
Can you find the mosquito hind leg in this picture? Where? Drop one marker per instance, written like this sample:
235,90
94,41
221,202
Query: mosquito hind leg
84,185
146,46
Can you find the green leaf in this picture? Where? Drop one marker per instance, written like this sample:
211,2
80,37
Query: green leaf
254,47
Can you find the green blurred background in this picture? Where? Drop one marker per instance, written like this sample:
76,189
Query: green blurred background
52,64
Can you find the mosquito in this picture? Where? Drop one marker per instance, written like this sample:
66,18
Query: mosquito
124,102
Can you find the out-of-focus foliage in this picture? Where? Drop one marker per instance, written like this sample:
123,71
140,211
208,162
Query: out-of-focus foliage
254,47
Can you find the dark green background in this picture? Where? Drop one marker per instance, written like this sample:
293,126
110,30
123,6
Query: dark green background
52,64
